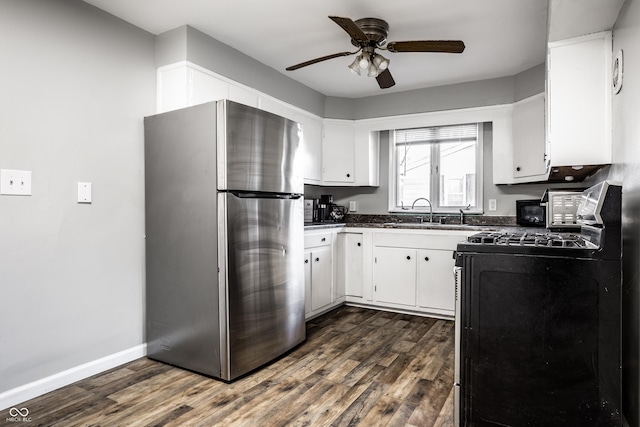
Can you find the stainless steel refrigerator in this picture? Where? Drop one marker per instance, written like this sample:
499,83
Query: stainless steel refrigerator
224,238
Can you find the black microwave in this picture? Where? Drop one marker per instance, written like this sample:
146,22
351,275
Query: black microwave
531,213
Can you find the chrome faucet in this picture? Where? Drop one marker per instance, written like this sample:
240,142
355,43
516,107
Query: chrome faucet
430,206
462,213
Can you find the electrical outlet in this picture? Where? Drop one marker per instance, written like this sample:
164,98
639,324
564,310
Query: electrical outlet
493,205
84,192
353,206
15,182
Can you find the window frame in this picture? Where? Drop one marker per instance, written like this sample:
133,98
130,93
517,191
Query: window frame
479,208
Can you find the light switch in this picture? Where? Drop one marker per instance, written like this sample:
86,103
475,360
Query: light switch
353,206
84,192
15,182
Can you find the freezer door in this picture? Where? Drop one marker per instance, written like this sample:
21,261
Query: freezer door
258,151
264,279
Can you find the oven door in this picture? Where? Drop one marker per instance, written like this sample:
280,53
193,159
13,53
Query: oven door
457,273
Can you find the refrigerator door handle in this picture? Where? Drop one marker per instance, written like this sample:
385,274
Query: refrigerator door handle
257,195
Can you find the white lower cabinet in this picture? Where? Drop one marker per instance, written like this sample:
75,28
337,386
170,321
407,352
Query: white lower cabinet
394,276
408,271
319,272
436,283
353,254
320,276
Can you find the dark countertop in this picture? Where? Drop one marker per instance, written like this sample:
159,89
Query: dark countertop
323,225
412,222
426,226
402,226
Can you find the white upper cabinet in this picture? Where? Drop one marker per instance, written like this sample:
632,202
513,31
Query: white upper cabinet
529,142
579,100
311,147
338,152
350,154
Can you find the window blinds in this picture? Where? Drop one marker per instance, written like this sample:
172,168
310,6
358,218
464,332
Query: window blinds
453,133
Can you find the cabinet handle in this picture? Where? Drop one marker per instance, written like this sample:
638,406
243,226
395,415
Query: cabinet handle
359,244
324,239
348,175
518,169
408,257
306,261
426,258
317,259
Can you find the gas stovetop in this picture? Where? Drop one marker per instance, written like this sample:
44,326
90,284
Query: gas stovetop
599,214
521,238
530,243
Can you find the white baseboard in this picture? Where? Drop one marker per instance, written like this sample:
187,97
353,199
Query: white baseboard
45,385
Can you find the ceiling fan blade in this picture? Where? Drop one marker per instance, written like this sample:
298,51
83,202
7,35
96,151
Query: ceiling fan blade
351,28
385,80
445,46
315,61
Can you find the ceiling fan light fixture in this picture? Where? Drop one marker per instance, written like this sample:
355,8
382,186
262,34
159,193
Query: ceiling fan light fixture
355,66
373,70
364,60
381,62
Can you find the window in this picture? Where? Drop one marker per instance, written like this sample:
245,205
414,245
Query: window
440,163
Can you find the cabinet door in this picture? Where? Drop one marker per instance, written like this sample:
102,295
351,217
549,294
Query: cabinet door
311,148
394,275
307,282
579,100
321,277
338,164
436,284
354,264
529,140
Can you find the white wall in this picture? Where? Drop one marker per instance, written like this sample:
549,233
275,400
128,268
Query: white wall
75,84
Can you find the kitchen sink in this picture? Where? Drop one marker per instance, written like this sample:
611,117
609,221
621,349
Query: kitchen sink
435,226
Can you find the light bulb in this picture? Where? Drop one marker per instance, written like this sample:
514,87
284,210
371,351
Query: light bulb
381,62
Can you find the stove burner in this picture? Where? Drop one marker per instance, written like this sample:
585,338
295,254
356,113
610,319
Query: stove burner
528,239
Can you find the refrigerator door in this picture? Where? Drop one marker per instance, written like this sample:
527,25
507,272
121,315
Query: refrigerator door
264,278
258,151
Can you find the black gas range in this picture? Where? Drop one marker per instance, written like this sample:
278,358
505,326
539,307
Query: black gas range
538,322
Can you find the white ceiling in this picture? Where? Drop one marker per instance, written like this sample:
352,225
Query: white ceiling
502,37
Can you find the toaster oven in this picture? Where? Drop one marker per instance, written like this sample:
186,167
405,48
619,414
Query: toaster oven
562,208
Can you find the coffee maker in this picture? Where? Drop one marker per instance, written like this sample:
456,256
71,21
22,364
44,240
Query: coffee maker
326,210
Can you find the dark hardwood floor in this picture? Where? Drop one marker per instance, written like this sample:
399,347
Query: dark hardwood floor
357,367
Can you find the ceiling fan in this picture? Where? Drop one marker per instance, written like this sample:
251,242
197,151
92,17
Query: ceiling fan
369,34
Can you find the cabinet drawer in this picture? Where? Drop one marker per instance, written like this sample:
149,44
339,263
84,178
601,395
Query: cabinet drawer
419,240
320,239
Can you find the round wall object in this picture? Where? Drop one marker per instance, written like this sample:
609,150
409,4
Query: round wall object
617,72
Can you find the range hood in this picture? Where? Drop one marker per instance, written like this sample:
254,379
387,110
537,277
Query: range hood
572,173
